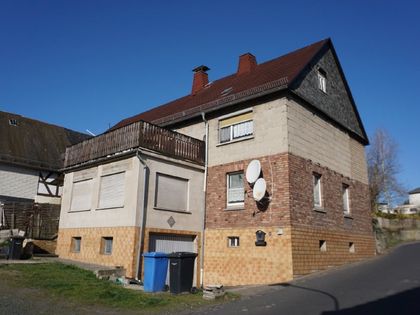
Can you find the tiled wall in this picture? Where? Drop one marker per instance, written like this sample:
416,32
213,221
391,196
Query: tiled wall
248,263
124,250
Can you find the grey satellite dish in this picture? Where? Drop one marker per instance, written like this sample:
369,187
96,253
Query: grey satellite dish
260,188
253,171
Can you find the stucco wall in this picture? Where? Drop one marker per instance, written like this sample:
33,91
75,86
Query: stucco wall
414,199
130,213
18,182
124,216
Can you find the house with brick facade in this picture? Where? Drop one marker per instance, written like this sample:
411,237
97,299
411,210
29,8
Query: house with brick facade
295,118
135,189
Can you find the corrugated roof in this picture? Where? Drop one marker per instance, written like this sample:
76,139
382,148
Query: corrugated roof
33,143
278,73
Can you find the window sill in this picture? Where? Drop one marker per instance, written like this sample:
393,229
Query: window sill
170,210
348,216
236,140
234,208
110,208
75,211
320,210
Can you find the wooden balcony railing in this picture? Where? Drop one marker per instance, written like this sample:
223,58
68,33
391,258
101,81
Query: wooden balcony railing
139,134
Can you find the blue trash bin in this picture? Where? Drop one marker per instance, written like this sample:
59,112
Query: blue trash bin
155,269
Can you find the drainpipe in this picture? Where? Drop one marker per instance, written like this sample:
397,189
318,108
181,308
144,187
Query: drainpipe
206,126
143,212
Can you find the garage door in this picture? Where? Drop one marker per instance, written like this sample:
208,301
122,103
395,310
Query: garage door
169,243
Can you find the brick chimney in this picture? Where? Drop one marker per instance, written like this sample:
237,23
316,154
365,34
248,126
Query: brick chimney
247,63
201,78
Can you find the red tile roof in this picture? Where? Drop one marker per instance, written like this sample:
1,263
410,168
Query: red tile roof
276,73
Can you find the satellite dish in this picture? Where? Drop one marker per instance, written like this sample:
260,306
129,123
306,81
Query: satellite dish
260,189
253,171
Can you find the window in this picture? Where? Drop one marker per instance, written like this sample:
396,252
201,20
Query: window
13,122
106,245
235,189
352,249
236,127
75,244
322,80
111,191
323,245
82,195
233,241
317,190
346,203
171,193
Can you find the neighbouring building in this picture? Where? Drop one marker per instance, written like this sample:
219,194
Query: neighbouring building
134,189
296,116
140,187
413,205
31,156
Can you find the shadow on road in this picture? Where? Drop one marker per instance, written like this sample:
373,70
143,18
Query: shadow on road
407,303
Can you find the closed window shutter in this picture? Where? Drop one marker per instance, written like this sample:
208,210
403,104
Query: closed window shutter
171,193
82,195
111,193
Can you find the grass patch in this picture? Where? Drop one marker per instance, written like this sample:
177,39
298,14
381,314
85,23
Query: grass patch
78,285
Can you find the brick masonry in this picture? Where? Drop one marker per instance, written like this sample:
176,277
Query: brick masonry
296,252
124,249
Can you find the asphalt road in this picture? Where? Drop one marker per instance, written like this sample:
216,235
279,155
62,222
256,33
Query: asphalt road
389,284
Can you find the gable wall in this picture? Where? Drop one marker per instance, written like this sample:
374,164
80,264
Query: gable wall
336,102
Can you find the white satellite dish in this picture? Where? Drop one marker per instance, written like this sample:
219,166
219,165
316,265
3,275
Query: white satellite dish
260,188
253,171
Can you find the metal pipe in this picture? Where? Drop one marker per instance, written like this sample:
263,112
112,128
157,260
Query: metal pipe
206,126
143,211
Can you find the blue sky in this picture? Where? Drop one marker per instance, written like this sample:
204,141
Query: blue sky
88,64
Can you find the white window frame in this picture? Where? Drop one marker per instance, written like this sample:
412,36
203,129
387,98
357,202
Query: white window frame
346,199
234,204
231,127
322,80
233,241
317,189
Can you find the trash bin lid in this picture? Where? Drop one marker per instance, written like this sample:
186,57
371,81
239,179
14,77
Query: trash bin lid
182,255
155,254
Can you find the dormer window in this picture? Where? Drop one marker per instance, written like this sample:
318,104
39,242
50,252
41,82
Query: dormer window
322,80
13,122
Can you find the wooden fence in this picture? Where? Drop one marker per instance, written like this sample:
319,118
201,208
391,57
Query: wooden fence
139,134
39,221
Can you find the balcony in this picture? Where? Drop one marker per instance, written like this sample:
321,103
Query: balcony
137,135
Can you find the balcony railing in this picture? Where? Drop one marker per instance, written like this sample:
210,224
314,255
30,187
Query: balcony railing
139,134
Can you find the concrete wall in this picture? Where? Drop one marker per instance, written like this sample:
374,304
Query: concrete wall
313,138
18,182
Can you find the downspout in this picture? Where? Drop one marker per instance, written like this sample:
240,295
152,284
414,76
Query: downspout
143,212
206,126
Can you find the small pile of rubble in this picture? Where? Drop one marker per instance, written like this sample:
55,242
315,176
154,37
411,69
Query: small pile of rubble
213,291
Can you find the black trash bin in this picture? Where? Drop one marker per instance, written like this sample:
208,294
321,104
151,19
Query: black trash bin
15,247
181,271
